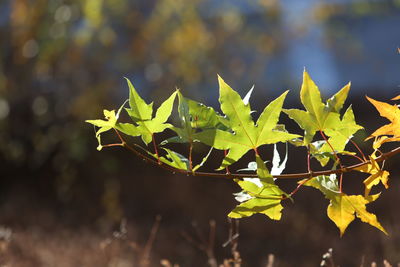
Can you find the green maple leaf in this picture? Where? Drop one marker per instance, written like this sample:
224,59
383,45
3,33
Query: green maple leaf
263,195
175,160
193,116
317,116
104,125
343,209
340,133
245,134
110,122
141,113
204,117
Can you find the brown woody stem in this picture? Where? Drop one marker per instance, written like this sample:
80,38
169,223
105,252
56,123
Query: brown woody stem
344,169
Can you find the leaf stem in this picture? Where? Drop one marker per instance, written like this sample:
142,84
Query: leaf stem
309,171
226,168
112,145
190,156
359,150
308,159
357,157
299,185
155,148
337,160
137,153
119,136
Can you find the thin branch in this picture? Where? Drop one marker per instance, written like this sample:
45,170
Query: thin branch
112,145
233,241
145,259
130,148
230,176
207,246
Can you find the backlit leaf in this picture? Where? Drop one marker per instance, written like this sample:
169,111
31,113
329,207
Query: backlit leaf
104,125
141,114
377,175
277,165
340,133
172,158
246,135
139,110
259,197
392,113
175,160
343,209
194,115
317,116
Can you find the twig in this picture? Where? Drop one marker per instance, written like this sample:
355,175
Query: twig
145,259
344,169
207,246
233,240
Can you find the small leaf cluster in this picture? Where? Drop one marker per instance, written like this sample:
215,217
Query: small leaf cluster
328,132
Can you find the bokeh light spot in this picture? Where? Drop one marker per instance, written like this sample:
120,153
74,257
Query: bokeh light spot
40,106
4,109
63,14
153,72
30,49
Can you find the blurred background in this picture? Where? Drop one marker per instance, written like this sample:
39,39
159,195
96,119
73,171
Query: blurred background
62,62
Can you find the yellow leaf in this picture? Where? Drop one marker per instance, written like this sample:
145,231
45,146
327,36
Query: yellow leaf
392,113
343,209
377,175
396,98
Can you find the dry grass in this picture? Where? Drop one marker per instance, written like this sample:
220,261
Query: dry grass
66,248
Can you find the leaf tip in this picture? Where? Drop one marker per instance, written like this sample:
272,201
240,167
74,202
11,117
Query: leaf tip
306,77
127,80
368,98
220,80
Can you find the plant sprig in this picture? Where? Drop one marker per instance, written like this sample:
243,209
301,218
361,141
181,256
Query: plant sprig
236,133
